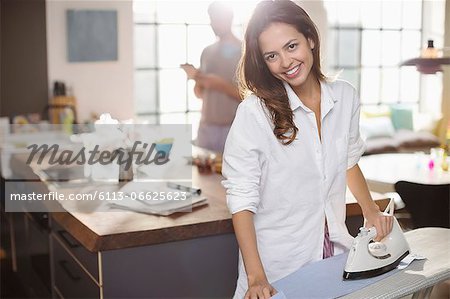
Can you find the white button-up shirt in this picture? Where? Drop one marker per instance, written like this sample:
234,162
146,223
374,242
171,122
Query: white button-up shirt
293,188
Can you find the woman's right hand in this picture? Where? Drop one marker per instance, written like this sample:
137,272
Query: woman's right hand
260,289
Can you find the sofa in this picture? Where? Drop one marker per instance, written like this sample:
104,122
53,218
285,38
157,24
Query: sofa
396,128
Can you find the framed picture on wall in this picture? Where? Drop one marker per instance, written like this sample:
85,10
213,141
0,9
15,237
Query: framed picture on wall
91,35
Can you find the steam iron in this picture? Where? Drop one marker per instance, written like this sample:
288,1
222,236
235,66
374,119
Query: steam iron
368,258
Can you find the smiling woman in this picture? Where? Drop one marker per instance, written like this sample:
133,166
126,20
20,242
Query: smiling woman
290,61
290,48
293,145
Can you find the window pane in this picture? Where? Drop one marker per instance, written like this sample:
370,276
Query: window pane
410,44
349,47
182,11
371,14
431,95
199,36
196,11
144,46
370,85
242,10
391,14
352,76
147,119
172,91
173,118
409,84
195,104
391,47
331,8
348,12
330,52
145,91
171,45
390,85
412,14
144,10
371,48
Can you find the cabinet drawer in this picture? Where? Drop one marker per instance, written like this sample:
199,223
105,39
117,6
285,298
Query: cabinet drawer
88,259
70,279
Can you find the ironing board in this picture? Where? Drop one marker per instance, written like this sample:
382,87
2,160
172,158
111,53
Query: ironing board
419,276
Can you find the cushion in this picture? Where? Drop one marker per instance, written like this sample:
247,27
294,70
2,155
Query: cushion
402,117
376,127
368,111
411,139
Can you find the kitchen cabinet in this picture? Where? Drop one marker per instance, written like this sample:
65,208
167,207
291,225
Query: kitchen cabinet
199,267
71,277
29,248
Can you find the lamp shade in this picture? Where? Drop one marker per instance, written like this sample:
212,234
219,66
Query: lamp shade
427,65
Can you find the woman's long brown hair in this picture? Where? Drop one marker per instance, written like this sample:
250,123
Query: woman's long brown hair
253,73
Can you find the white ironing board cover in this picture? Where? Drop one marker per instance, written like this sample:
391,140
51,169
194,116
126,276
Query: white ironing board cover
323,279
432,243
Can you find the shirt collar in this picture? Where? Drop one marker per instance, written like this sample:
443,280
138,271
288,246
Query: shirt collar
327,98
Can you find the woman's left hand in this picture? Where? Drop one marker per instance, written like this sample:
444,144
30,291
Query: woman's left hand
382,222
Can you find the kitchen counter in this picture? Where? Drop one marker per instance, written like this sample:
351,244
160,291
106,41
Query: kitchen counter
99,231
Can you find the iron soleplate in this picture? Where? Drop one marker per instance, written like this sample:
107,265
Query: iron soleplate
373,272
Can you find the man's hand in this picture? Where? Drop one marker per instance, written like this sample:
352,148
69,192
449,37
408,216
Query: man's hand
190,70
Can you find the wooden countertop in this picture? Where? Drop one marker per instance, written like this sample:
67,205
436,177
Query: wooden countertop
99,231
119,229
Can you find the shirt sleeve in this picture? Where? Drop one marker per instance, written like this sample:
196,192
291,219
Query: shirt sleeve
242,161
356,145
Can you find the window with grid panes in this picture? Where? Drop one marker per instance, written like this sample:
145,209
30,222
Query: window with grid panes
167,34
369,41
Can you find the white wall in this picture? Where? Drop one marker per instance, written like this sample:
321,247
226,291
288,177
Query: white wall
98,86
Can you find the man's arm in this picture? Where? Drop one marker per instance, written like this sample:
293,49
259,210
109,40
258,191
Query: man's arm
212,81
198,90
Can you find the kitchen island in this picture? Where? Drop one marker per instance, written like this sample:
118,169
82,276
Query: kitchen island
128,254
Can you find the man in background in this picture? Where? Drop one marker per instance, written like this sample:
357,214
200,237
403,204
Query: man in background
215,80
